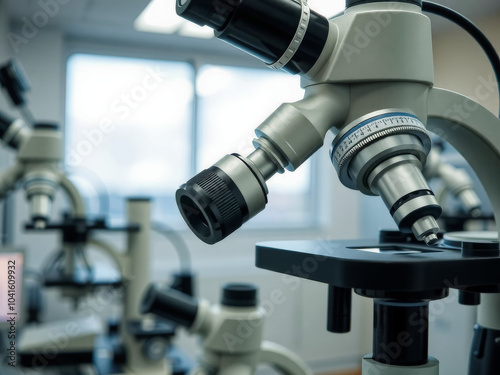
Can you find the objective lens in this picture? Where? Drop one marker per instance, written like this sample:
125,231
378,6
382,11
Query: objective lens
170,304
383,155
263,28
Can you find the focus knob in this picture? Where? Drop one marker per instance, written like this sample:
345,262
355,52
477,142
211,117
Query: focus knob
239,295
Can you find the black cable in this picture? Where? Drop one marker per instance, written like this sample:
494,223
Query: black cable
472,29
178,242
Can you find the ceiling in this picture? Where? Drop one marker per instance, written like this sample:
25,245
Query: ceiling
113,19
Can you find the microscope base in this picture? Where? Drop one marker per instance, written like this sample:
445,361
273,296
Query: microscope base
371,367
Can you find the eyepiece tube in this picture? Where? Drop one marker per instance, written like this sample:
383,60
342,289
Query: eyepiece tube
5,123
220,199
171,304
283,33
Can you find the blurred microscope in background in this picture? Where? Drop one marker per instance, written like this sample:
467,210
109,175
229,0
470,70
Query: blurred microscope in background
137,343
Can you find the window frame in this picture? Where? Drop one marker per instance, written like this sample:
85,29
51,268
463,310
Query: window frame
318,219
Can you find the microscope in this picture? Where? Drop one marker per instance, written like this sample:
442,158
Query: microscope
456,193
142,343
231,331
456,182
39,154
368,77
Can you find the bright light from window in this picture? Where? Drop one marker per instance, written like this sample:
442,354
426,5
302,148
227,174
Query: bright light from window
233,102
160,17
129,132
129,125
327,8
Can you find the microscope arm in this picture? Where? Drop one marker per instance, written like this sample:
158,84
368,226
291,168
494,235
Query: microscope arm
120,260
74,197
283,359
456,181
474,133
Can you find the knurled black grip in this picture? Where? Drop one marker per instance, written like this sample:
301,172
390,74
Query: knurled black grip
212,205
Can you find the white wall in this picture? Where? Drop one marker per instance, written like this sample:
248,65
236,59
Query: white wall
462,66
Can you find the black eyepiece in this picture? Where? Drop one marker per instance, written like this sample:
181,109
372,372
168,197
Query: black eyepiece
212,205
220,199
170,304
5,123
263,28
14,80
239,295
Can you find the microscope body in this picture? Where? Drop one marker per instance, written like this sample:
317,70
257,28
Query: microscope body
456,182
368,78
232,331
231,339
377,64
38,166
369,86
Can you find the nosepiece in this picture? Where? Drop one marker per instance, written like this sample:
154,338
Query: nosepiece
220,199
383,155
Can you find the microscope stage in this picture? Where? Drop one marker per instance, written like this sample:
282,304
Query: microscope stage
369,265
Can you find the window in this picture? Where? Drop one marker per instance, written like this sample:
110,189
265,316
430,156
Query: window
144,127
232,103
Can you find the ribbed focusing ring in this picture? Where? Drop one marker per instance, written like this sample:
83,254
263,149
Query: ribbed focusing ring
222,197
212,205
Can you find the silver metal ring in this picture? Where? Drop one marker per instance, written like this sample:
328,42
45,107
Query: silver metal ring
297,39
413,130
364,131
